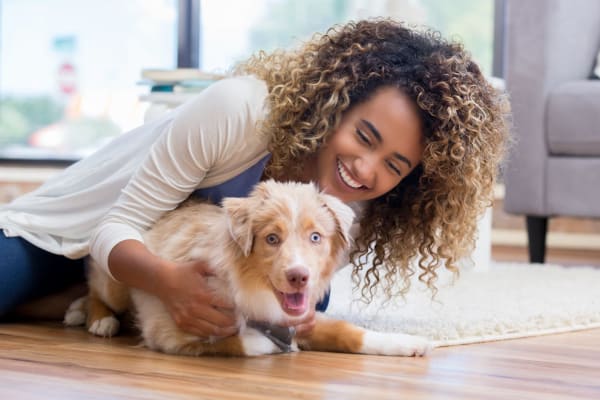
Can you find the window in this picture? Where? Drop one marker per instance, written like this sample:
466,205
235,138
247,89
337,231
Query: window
69,68
68,71
228,37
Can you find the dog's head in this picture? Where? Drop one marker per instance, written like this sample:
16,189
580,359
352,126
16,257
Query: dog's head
291,239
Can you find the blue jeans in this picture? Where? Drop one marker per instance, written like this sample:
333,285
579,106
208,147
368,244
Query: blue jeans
28,272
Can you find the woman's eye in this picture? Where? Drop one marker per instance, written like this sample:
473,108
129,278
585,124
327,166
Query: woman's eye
272,239
315,237
362,137
394,168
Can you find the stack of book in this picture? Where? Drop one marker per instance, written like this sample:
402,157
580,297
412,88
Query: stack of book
171,87
178,80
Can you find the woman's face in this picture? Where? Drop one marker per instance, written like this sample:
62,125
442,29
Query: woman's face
378,143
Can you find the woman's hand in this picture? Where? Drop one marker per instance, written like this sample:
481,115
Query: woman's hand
305,325
193,305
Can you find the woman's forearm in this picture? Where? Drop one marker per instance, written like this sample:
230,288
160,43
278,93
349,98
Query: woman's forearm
132,264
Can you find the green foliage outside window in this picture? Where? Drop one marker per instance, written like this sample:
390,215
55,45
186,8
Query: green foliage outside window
467,21
22,117
471,22
290,21
19,117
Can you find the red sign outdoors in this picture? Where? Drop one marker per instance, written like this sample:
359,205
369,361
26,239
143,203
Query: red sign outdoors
67,78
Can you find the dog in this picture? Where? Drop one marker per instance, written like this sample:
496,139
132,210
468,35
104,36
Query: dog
273,254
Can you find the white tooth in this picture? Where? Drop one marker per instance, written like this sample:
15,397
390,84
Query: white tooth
346,178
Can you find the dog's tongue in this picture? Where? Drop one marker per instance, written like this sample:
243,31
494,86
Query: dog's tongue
295,301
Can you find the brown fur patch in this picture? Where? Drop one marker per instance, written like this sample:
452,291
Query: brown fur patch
96,309
254,273
333,335
230,346
111,292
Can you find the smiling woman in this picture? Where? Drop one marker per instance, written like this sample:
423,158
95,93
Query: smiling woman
401,124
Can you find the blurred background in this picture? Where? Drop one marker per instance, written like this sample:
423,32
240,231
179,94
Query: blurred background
70,69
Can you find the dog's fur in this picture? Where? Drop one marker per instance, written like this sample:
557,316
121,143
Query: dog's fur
273,255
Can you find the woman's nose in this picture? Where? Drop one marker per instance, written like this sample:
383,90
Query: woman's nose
365,170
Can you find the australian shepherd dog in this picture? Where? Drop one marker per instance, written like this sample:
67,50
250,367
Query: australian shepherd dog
273,254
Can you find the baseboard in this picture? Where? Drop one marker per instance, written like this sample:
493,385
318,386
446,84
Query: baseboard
558,240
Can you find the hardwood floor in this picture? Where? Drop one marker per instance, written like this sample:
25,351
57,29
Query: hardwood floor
48,361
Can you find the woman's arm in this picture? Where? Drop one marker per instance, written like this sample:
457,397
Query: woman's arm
182,288
215,130
207,132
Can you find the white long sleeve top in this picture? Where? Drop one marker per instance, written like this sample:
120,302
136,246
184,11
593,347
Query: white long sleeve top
122,189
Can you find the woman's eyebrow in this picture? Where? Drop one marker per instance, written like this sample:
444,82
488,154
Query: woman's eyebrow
377,136
373,130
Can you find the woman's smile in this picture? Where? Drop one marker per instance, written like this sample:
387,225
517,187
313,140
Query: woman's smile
346,177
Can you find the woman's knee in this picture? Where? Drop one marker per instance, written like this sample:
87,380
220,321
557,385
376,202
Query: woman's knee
28,272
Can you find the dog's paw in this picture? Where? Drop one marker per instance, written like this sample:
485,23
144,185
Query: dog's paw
255,343
76,313
105,327
395,344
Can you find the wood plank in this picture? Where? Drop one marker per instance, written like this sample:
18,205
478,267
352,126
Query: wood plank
48,361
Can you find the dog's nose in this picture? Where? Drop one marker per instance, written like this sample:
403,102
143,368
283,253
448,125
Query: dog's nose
297,276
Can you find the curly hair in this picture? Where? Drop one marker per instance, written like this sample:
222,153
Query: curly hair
431,216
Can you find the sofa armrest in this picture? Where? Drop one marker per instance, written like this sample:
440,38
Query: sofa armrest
548,42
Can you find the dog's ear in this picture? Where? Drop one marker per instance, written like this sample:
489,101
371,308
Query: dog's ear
263,190
239,221
344,215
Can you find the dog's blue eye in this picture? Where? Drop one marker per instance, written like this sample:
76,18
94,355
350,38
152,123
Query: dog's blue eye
315,237
272,238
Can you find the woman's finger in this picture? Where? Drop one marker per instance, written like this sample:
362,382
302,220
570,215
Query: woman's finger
305,329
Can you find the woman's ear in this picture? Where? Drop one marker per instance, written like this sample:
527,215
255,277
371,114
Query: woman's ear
239,222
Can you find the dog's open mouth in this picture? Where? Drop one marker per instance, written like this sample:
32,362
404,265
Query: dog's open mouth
293,303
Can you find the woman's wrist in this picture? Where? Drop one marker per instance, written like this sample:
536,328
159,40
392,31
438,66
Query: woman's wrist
161,278
132,264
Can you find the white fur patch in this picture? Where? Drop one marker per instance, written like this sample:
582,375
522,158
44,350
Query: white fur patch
394,344
255,343
298,259
105,327
263,307
74,318
76,313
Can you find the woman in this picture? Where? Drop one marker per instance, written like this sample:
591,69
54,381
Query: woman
398,123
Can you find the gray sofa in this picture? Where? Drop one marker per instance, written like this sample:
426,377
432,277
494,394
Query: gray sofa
554,166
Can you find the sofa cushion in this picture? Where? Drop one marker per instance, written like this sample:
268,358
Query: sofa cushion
573,119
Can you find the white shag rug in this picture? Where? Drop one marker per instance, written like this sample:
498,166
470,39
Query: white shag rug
505,301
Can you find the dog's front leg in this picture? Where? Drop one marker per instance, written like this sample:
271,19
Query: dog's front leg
249,342
344,337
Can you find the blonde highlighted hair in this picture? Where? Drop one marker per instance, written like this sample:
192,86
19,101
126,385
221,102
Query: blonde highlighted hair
431,216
